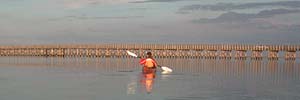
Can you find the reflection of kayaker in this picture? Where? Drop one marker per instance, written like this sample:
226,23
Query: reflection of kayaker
149,71
147,79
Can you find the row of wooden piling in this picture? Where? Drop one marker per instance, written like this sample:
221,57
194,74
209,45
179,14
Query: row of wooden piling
160,50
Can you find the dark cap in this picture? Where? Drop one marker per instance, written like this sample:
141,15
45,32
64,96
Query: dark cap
149,53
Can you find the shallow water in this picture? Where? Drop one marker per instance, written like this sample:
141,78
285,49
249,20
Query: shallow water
53,78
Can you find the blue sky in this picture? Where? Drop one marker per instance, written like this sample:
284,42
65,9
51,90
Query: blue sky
149,21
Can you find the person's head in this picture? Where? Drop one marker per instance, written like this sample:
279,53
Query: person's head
149,55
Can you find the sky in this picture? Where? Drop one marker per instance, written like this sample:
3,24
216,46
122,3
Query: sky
149,21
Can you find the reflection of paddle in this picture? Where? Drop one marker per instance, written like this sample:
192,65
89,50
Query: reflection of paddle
164,68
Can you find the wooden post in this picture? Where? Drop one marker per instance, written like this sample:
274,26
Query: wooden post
290,55
240,54
257,54
225,54
273,54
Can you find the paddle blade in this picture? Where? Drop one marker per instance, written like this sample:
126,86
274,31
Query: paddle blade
164,68
131,53
165,72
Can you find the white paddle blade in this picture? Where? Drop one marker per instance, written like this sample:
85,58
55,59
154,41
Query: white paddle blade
131,53
165,72
166,69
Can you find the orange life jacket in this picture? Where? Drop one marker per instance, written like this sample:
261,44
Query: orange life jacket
148,62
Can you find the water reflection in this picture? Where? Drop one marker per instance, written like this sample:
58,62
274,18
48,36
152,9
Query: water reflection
132,86
147,79
193,79
245,68
259,69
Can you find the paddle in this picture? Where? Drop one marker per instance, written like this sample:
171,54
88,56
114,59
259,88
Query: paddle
164,68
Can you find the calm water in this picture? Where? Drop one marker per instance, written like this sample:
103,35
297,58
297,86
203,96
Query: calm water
41,78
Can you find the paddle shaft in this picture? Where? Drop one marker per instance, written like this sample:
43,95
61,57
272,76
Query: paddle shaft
155,61
162,67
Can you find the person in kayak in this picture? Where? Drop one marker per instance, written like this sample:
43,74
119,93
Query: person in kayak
149,71
149,62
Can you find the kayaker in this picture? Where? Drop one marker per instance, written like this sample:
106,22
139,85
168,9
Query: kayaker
148,62
149,70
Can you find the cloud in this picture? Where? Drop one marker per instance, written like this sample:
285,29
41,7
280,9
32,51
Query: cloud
232,6
264,26
291,29
147,1
253,27
75,4
102,17
84,17
243,17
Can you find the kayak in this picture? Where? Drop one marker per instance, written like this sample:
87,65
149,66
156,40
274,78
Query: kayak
164,68
147,70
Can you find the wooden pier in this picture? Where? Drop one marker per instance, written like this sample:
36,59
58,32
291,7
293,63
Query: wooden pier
222,51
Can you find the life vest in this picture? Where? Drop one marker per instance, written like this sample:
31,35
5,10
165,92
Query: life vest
148,62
